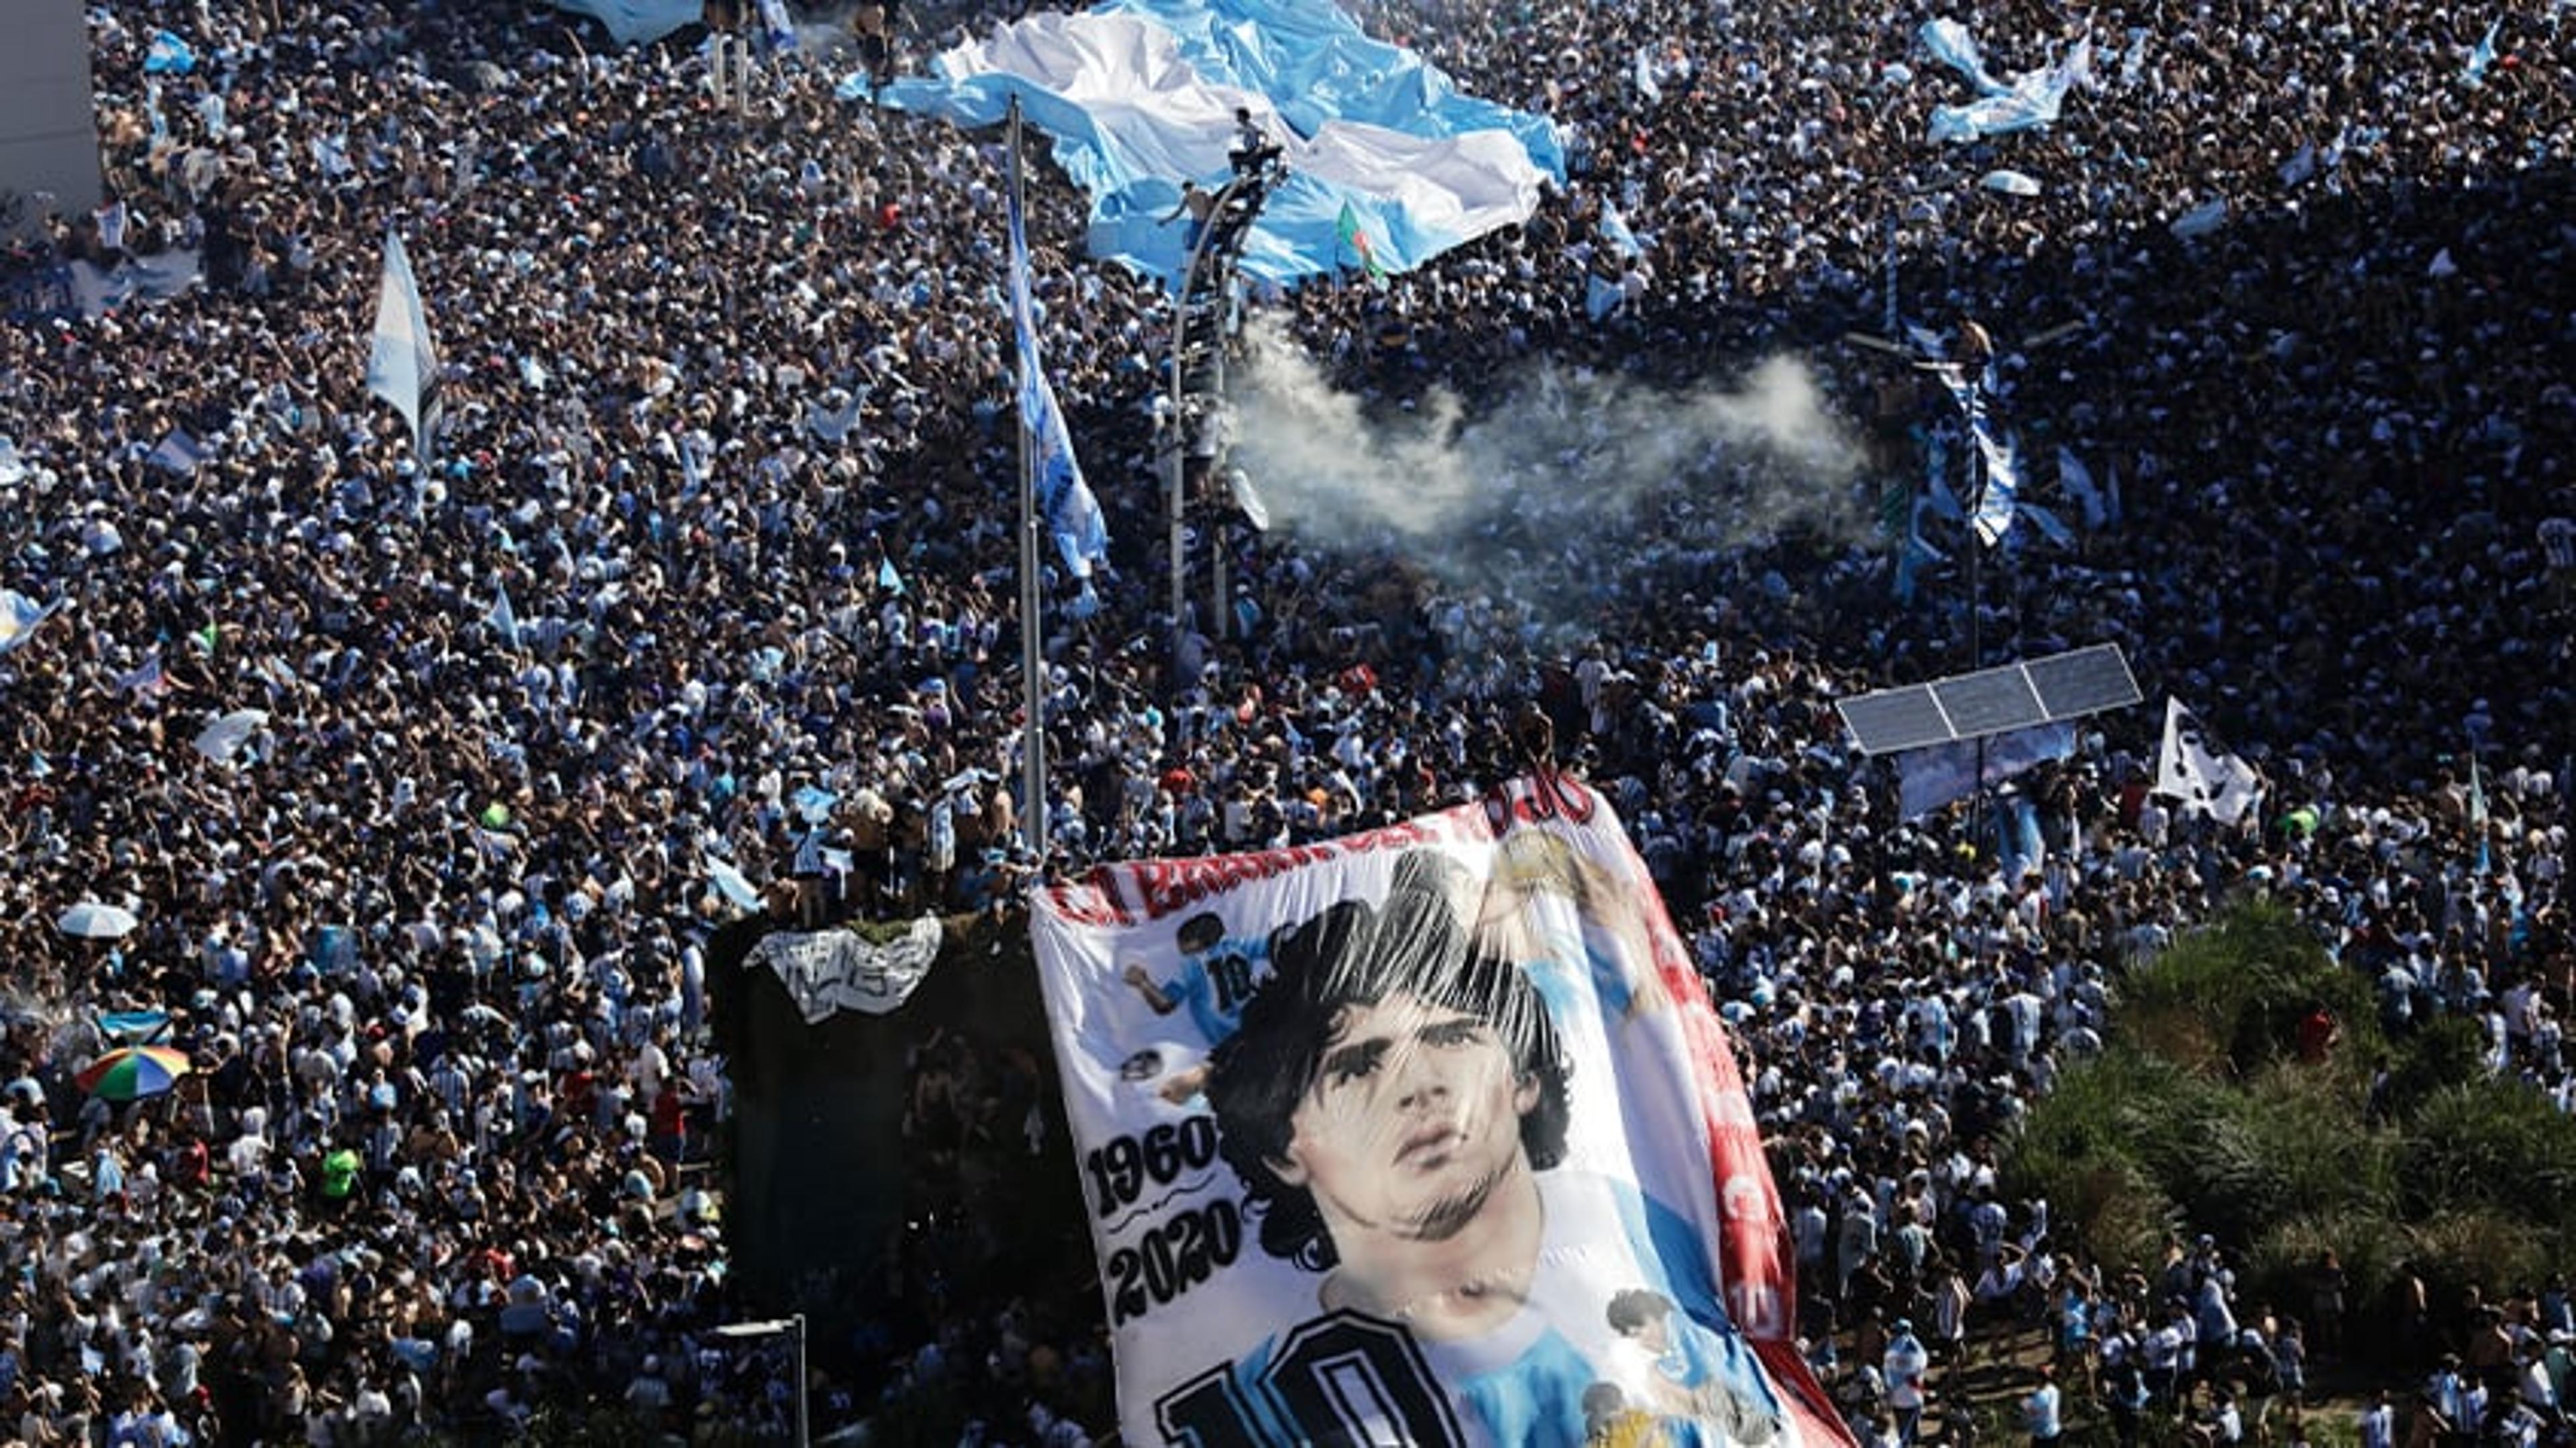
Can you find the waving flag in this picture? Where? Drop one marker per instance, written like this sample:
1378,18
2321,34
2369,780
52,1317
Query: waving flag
1645,76
145,681
502,618
1348,236
402,366
2205,778
1064,499
1601,296
1614,229
19,616
168,55
1997,500
2482,58
2077,482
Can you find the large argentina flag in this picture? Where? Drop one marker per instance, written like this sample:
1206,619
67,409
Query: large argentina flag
1140,96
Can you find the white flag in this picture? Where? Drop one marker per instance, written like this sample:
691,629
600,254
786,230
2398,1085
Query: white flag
402,368
2207,779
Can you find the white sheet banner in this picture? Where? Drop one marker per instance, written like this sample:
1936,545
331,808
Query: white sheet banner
835,970
1425,1136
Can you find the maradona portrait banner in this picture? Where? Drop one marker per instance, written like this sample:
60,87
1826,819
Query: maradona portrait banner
1422,1136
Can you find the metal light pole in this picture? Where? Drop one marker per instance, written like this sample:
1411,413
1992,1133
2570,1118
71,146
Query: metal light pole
792,1326
1033,767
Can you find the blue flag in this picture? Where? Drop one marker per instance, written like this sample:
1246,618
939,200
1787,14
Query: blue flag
1064,499
1996,501
1601,296
2484,57
168,55
887,578
19,616
1614,229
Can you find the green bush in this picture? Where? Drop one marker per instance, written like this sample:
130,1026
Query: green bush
2303,1121
2498,1146
2227,999
2280,1264
2446,1052
2199,1118
2491,1250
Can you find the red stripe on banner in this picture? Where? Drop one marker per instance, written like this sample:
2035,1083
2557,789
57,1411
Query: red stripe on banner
1818,1423
1756,1268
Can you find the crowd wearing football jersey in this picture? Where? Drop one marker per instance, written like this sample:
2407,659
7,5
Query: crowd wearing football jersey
719,514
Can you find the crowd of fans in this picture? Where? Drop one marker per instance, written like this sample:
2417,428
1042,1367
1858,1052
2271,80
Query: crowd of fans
727,425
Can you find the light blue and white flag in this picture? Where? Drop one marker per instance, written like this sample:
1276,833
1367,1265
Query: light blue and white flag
402,365
1952,45
2049,524
146,680
13,468
887,578
331,153
1645,77
1064,499
1140,95
1614,230
2019,844
19,616
503,619
2076,480
1997,500
111,226
1601,296
776,25
2034,100
168,55
2010,183
177,453
2484,56
1996,504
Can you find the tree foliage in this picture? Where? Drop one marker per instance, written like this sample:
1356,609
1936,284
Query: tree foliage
2199,1116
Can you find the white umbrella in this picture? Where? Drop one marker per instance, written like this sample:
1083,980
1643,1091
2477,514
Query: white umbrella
222,739
96,921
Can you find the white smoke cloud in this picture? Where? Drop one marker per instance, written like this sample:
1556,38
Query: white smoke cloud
1596,469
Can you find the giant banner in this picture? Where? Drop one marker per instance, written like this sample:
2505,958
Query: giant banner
1422,1136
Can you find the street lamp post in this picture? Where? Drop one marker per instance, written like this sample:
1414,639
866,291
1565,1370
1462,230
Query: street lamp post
794,1327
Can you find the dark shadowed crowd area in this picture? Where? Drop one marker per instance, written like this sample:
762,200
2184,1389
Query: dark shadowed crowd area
729,426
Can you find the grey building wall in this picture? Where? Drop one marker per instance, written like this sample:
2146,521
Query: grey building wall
48,125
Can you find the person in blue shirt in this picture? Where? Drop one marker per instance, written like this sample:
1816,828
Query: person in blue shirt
1216,977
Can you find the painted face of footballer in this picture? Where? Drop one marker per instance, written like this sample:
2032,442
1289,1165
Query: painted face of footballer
1411,1124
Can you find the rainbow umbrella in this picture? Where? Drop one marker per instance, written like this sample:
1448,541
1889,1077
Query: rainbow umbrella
134,1072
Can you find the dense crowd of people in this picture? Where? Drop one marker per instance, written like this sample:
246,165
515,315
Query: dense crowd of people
718,518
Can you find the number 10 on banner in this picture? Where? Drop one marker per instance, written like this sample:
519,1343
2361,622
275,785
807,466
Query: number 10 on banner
1341,1379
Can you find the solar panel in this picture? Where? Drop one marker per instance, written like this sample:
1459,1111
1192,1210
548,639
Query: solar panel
1991,701
2085,681
1893,719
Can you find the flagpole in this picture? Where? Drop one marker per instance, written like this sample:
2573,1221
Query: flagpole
1032,643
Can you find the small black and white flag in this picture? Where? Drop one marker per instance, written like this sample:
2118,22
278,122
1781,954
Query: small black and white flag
2194,769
